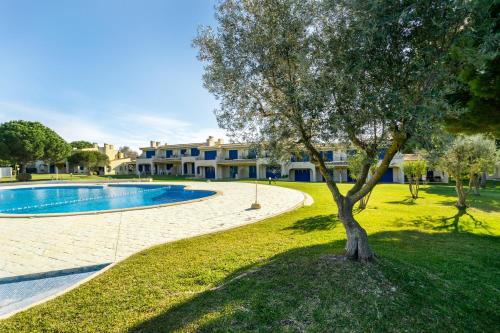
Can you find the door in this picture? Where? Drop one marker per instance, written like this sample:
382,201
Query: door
387,176
209,172
302,175
233,171
252,171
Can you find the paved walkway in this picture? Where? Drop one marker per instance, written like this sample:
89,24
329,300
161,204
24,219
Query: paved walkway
34,245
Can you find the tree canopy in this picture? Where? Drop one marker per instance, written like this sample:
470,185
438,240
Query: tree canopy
368,73
467,156
22,142
90,159
81,144
477,84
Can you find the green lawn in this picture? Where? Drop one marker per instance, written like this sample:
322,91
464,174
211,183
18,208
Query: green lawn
436,272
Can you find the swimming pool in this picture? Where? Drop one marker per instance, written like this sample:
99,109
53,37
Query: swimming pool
90,198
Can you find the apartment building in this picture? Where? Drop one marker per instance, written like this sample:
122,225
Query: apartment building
214,159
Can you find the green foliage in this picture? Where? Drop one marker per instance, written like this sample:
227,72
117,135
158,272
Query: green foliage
415,169
477,86
22,142
91,159
467,156
81,144
355,163
23,177
366,72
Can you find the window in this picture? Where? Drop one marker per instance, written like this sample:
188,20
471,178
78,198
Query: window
210,154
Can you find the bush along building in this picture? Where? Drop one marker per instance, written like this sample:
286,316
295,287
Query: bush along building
214,159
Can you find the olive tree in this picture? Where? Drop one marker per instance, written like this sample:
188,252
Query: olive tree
414,170
467,157
307,73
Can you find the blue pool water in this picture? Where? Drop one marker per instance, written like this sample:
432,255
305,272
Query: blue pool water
70,199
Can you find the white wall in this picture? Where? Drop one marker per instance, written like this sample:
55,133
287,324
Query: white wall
5,172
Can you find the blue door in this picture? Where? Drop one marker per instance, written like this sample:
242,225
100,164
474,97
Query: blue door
150,153
302,175
273,172
210,154
185,168
233,171
329,155
252,171
52,169
387,176
168,153
210,172
233,154
192,168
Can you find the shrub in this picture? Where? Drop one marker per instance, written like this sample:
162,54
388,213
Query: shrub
23,177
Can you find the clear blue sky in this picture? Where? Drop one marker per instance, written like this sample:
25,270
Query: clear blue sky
121,72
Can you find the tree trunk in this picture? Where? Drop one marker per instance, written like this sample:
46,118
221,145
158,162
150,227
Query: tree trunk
459,187
484,175
417,187
474,183
357,246
364,201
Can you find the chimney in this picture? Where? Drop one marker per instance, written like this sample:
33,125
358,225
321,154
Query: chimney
158,143
210,141
152,144
220,141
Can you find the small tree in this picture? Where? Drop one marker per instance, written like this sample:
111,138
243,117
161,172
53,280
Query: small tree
355,165
92,160
23,142
466,157
414,170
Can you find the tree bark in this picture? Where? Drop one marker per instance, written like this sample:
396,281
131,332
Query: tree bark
484,175
474,183
459,187
357,246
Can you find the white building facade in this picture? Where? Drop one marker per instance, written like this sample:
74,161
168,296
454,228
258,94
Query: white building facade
215,159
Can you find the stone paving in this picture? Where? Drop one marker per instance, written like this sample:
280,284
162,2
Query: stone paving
42,244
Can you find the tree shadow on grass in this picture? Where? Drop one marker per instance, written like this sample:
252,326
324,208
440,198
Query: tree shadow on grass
409,201
462,221
315,223
488,200
304,290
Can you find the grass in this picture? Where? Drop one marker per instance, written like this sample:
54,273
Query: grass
435,272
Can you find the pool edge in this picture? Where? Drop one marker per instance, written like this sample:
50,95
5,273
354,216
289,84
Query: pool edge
109,211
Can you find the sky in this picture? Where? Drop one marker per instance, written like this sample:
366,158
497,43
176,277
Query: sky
122,72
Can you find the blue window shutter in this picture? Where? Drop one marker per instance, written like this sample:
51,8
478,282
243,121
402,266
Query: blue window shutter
210,154
233,154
